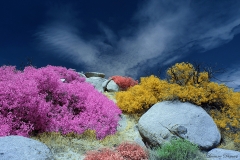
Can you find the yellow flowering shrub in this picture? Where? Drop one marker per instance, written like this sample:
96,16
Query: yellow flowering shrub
197,89
185,74
139,98
186,85
228,119
156,86
135,100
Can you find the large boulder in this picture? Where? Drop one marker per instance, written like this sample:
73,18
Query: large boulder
97,83
167,120
22,148
110,86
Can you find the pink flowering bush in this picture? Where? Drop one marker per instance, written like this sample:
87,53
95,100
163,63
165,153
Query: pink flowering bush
132,151
104,154
124,82
36,100
124,151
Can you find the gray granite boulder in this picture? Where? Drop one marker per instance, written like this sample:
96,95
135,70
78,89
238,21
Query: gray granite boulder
22,148
223,154
110,86
105,83
167,120
96,82
81,74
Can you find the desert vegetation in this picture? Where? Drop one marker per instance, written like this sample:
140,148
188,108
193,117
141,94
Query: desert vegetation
186,84
36,103
124,82
178,149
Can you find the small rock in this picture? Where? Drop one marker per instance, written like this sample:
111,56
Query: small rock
223,154
96,82
105,83
112,87
94,74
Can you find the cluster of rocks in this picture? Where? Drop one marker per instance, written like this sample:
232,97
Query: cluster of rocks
161,123
99,82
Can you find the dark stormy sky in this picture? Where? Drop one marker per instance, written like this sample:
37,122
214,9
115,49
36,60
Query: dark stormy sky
127,37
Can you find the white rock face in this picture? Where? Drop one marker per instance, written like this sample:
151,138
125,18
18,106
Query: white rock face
166,120
112,86
22,148
102,84
96,82
105,83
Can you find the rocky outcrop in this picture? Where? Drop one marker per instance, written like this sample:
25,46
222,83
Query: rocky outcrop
96,82
81,74
103,85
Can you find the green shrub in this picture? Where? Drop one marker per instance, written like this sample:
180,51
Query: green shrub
178,149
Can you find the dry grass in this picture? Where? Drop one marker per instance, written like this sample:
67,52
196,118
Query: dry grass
80,144
228,142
